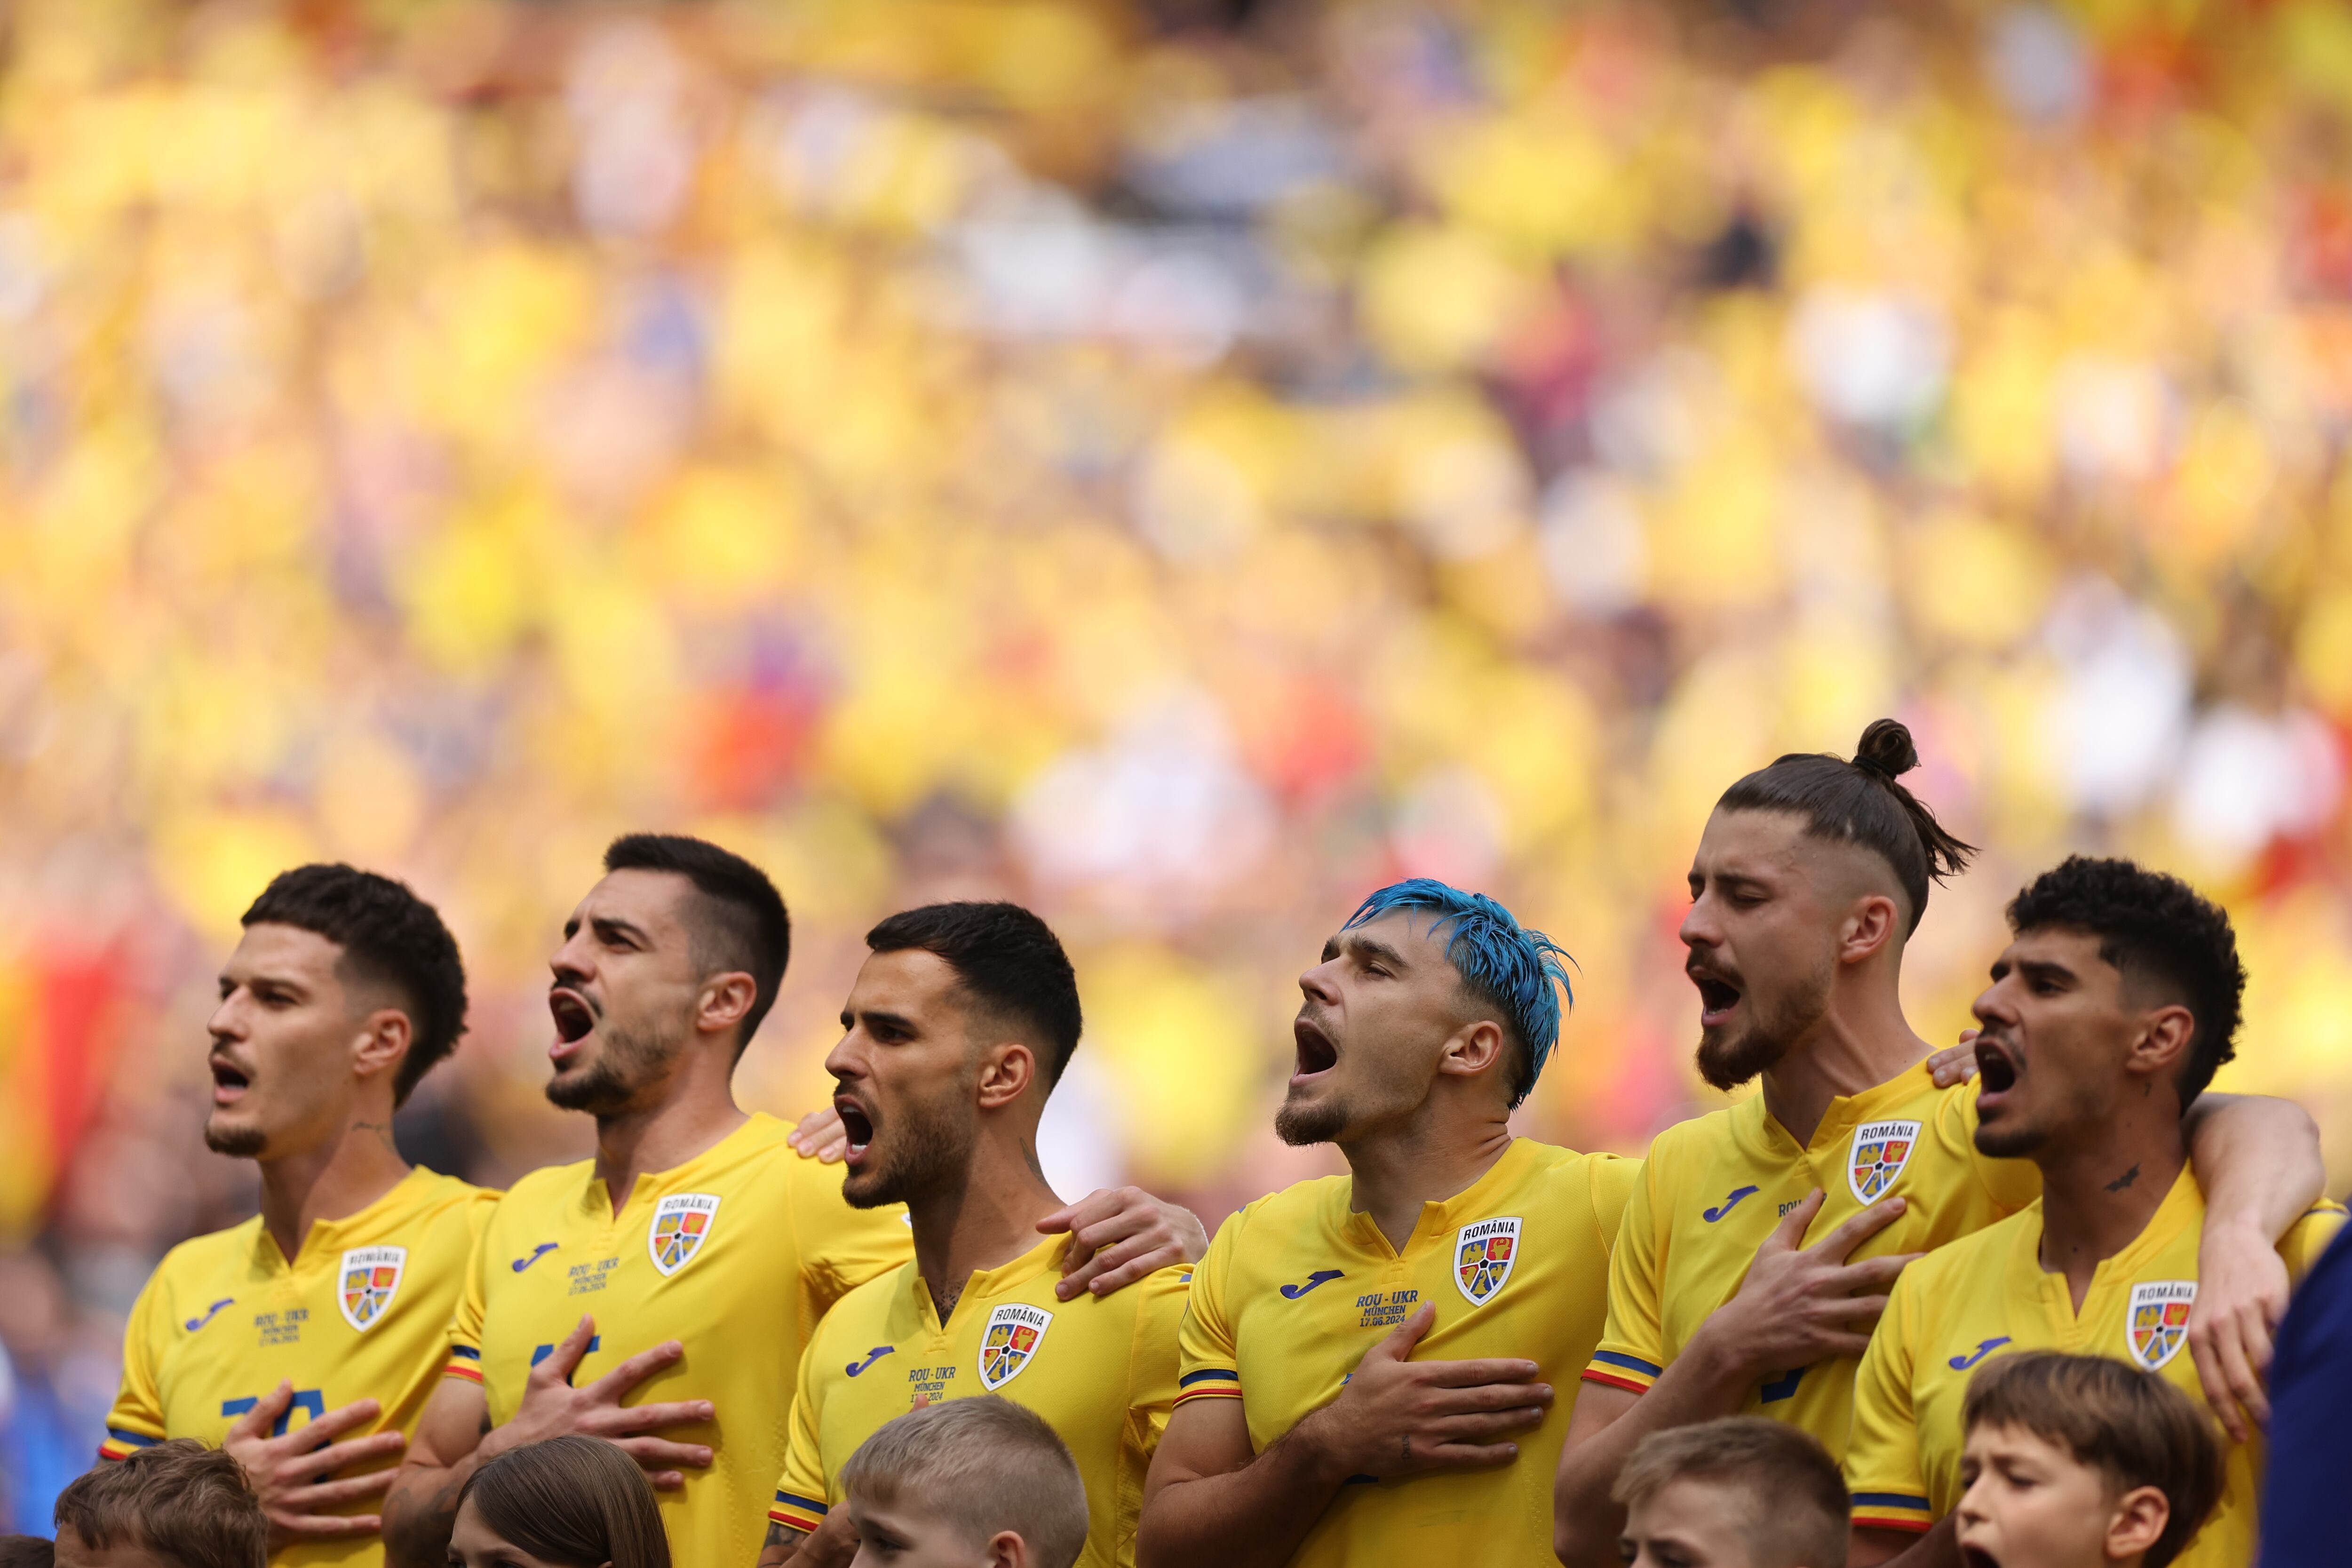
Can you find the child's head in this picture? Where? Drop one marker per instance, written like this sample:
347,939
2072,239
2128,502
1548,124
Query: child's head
174,1505
1741,1492
572,1501
2082,1461
971,1483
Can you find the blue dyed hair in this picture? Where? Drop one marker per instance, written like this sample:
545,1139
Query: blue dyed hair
1500,961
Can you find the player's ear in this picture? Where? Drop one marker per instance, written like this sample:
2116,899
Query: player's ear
1871,923
2139,1518
383,1043
1007,1069
2164,1039
726,1001
1475,1048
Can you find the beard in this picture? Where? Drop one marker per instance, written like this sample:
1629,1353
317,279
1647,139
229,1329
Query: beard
2009,1140
929,1151
242,1143
623,1067
1726,1063
1315,1121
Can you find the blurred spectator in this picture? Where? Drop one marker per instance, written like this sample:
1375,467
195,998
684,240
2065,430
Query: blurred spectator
569,1502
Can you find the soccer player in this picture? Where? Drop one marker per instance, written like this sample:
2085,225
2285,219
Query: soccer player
1369,1360
2107,1017
682,1269
958,1029
1810,876
306,1340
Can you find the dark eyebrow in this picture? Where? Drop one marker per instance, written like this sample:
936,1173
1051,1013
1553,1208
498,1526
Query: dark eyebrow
1366,947
2045,969
610,926
888,1020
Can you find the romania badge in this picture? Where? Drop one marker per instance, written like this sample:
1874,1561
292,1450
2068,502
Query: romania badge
1483,1256
1880,1150
682,1223
1015,1331
2158,1322
371,1278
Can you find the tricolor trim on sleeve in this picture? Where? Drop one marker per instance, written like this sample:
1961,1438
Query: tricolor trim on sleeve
464,1361
1209,1382
796,1512
1621,1370
122,1443
1893,1511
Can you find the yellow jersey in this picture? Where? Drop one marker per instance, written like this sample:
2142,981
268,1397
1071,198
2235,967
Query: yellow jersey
1101,1370
1987,1295
735,1254
1715,1186
1298,1286
361,1312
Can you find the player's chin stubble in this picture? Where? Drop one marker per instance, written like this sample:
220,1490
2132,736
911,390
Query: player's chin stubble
240,1142
1728,1063
928,1151
606,1085
1315,1121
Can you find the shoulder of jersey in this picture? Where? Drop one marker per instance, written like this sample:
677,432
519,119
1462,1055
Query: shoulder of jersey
860,1304
547,1179
1966,1256
1296,1204
200,1252
455,1193
1688,1145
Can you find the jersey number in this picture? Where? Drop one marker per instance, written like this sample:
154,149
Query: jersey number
310,1399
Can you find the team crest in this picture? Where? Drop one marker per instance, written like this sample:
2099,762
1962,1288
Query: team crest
1880,1151
371,1278
1483,1256
2158,1319
681,1225
1015,1331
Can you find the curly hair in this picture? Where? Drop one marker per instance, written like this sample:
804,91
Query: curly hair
1510,967
389,937
2160,935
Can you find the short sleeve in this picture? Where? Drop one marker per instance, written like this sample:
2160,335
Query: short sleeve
1633,1352
1207,1364
801,1494
841,1248
465,1321
1615,1181
136,1420
1882,1455
2308,1237
1159,1329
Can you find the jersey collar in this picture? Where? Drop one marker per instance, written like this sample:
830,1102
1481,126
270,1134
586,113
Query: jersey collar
1473,1202
651,1186
1847,1111
987,1284
329,1238
2183,1209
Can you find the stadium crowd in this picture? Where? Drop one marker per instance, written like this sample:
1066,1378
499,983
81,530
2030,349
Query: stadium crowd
1181,466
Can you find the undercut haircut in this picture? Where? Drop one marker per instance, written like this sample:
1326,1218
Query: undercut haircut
736,922
1798,1513
1509,968
2132,1427
1862,803
2163,938
982,1464
390,937
1007,961
575,1501
187,1504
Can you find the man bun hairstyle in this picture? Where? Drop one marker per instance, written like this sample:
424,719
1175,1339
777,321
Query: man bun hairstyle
736,922
574,1500
2133,1427
1864,803
390,937
2161,936
187,1504
1009,963
1798,1510
1510,967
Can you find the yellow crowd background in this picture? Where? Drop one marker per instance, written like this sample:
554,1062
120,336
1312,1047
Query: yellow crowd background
1179,464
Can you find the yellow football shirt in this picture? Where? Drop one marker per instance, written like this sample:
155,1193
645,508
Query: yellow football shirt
1101,1370
361,1312
1297,1287
735,1254
1986,1295
1715,1186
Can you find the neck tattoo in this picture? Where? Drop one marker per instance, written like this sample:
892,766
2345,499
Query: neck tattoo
2126,1179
